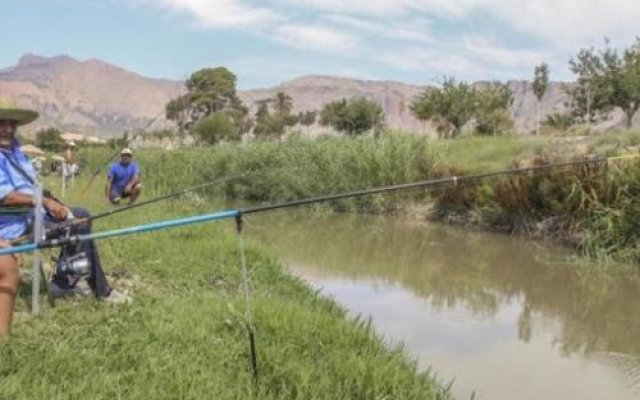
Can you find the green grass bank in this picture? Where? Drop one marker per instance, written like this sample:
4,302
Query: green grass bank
183,336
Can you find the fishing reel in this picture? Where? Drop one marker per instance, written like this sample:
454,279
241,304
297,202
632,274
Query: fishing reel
72,265
76,265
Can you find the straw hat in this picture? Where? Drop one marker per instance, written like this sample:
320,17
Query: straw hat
9,110
127,151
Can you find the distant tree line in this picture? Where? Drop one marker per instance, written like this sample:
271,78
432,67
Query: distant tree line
606,79
212,111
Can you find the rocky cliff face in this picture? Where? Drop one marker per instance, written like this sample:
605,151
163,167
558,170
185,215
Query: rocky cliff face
85,96
98,98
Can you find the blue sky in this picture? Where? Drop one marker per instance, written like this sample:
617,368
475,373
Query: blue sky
267,42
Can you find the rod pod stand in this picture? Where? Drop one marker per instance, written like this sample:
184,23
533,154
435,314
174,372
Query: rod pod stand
36,273
248,323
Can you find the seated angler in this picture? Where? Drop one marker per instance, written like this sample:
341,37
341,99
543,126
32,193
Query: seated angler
123,179
17,201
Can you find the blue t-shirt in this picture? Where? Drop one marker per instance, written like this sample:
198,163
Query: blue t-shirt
11,180
120,175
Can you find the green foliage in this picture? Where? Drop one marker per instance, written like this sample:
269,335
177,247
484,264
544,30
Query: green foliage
209,91
119,143
216,128
270,125
456,103
605,80
559,121
450,107
540,80
353,117
540,86
270,171
50,139
492,109
307,118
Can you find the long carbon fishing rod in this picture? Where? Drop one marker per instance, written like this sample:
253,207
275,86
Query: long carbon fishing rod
236,213
430,184
154,200
115,154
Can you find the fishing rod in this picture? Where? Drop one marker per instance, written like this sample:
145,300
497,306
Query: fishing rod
429,184
66,224
239,213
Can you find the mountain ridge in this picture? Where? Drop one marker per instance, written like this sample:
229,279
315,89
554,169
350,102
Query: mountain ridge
96,97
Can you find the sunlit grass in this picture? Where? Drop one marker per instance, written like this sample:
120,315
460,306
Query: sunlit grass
184,334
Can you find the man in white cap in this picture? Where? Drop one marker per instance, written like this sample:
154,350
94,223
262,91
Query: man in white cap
17,201
123,179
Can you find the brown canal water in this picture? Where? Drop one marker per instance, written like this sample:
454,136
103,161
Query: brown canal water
502,317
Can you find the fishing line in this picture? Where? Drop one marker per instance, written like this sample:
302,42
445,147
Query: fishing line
154,200
430,184
248,303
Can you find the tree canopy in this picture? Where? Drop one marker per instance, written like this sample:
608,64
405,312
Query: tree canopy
492,109
210,91
352,117
307,118
606,79
50,139
216,128
455,104
540,80
273,121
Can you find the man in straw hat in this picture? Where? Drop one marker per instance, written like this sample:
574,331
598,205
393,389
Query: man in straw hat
17,201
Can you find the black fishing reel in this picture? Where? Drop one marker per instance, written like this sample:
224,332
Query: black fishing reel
77,266
72,265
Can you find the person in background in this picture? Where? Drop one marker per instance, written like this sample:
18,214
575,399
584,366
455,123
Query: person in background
123,179
70,155
17,209
71,161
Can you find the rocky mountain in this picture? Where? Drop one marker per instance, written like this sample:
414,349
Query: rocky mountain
86,96
95,97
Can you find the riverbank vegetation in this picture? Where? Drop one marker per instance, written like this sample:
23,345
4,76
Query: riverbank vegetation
586,207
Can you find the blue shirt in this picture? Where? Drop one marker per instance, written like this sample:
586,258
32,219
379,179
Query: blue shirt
11,180
120,175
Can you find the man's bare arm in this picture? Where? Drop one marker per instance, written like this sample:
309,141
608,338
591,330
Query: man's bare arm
16,199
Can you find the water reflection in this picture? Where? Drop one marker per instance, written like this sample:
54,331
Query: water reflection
506,285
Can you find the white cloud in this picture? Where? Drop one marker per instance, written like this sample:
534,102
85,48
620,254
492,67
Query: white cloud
471,38
315,37
413,30
470,58
219,13
488,52
566,22
356,7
